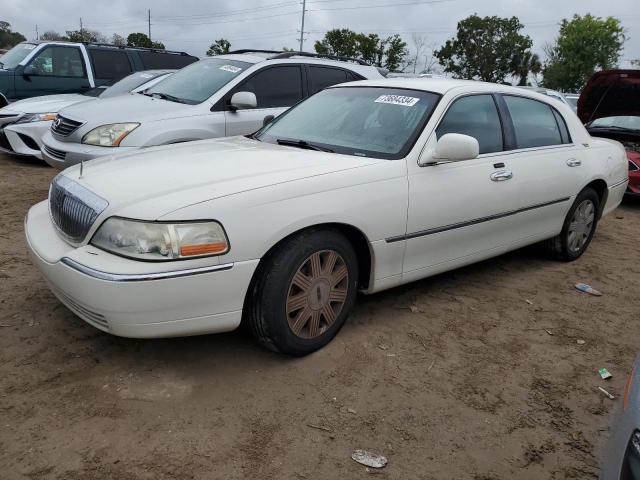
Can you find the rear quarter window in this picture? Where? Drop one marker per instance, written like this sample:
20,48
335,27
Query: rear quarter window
159,60
110,64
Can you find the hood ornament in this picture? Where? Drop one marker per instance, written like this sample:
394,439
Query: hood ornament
81,169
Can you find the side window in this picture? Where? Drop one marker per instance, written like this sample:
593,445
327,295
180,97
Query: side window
160,60
476,116
110,64
564,131
59,62
275,86
322,77
534,122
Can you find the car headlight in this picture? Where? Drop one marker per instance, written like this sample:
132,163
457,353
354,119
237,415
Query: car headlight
37,117
109,135
161,241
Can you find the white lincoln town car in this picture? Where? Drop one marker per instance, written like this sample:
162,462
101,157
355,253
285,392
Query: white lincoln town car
361,187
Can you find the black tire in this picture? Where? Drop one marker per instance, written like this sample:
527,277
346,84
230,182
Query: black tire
559,246
273,288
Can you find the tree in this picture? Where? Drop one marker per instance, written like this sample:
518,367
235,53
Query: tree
419,41
287,49
118,40
50,35
635,63
341,42
9,38
529,63
158,45
219,47
584,45
139,40
84,35
485,48
395,54
369,48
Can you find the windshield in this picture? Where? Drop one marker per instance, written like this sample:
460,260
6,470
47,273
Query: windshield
197,82
131,82
363,121
13,57
632,123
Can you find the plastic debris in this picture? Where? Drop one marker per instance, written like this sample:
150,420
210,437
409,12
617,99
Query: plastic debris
604,373
580,341
319,427
611,397
549,332
528,301
583,287
369,459
351,410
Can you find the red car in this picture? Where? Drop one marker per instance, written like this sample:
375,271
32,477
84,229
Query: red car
609,106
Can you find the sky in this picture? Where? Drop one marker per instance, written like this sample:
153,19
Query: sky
192,25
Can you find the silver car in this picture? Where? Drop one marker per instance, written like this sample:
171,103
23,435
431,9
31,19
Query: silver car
216,97
622,457
25,122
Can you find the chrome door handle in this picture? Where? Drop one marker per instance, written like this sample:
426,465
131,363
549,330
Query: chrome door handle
574,162
501,176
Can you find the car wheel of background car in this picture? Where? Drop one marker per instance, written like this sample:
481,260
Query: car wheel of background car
578,229
303,292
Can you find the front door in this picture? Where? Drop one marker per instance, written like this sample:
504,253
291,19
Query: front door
276,89
457,211
55,69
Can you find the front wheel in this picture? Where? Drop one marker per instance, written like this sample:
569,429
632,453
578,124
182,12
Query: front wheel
578,228
303,292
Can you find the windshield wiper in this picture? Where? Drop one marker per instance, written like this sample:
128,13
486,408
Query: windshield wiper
302,144
166,96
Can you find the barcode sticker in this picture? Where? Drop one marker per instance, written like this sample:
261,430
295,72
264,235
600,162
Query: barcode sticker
230,68
397,100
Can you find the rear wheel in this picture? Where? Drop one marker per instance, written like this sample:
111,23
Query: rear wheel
578,229
303,292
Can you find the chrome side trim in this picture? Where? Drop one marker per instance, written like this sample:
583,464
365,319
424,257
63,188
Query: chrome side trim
141,277
619,183
469,223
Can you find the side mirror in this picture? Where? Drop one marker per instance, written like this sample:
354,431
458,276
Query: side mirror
267,120
243,100
455,147
29,70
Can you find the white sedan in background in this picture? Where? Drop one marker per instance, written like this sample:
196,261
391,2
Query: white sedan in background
364,186
24,123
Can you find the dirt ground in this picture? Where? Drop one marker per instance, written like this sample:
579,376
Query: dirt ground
474,374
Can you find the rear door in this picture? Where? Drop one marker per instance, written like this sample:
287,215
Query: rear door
320,77
54,69
276,89
546,166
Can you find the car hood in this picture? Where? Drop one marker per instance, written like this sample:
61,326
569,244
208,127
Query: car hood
156,181
48,103
134,107
610,93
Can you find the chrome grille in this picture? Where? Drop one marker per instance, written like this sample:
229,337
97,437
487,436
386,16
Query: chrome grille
59,154
64,126
73,208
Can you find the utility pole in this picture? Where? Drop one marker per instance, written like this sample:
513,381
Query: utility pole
80,27
37,34
304,9
149,24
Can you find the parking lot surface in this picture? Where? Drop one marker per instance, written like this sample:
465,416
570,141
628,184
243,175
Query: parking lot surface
477,373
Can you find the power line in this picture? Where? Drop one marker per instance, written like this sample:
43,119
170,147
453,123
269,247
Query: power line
383,5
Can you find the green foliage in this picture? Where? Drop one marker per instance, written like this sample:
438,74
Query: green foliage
9,38
389,53
585,44
50,35
139,40
84,35
219,47
118,40
158,45
529,63
485,48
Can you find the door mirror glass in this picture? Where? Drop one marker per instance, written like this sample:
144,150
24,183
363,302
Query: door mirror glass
29,70
267,120
455,147
243,100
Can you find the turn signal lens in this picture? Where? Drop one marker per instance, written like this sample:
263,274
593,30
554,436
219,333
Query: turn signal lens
204,249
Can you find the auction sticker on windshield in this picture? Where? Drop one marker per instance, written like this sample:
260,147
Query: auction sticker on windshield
230,68
397,100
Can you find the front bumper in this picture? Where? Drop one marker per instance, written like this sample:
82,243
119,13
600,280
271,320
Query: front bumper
61,155
26,138
136,299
